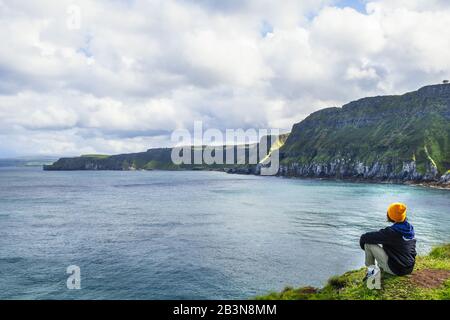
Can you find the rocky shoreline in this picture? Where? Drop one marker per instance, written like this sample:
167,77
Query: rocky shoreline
429,184
405,173
376,173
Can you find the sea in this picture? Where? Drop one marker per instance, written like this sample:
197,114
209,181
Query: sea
190,234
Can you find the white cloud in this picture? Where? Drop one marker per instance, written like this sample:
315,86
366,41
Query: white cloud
135,70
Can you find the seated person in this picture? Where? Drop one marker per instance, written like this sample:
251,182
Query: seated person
393,248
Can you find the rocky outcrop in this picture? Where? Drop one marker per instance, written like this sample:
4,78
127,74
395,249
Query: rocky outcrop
445,179
242,170
342,169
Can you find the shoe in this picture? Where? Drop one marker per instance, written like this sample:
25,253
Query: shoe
370,272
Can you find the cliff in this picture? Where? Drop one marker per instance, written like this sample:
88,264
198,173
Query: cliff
386,138
153,158
160,159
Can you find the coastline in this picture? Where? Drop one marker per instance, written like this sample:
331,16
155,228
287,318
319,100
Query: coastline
434,185
431,185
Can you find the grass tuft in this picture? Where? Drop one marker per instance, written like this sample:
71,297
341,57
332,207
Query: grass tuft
441,252
338,282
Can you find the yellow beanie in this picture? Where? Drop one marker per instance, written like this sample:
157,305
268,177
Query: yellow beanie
397,212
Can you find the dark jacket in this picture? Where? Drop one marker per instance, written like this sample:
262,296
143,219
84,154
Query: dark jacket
398,242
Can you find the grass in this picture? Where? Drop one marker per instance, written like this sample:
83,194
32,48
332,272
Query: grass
350,286
95,156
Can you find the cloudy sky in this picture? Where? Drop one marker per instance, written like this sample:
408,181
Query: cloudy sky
114,76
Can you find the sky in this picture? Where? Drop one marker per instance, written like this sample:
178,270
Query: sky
82,77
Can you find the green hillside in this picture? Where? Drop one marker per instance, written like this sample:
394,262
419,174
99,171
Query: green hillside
160,159
388,137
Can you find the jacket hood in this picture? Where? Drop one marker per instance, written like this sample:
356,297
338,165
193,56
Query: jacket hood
405,228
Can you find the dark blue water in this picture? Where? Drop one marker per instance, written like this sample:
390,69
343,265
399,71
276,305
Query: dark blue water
190,235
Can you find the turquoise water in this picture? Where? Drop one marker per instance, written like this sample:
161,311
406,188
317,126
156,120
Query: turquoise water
190,235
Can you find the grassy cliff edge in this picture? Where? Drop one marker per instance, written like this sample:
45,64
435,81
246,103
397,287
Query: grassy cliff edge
429,281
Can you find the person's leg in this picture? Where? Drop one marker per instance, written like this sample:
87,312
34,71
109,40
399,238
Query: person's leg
376,252
370,258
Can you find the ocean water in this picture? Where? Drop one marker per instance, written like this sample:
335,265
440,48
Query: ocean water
191,235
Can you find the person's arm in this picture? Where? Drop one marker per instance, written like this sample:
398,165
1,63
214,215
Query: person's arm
382,236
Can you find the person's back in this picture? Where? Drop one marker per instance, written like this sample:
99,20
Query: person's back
398,252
